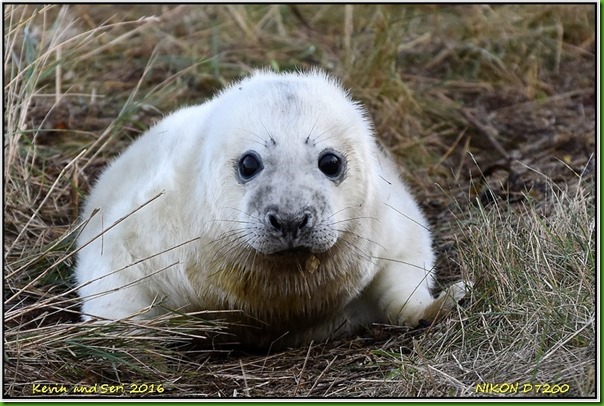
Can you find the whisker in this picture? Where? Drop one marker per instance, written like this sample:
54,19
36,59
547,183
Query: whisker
228,234
268,133
360,237
231,244
329,130
313,128
406,263
243,212
357,218
407,217
352,248
231,221
339,211
262,140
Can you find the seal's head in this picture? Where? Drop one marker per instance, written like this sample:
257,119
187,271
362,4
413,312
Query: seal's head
296,147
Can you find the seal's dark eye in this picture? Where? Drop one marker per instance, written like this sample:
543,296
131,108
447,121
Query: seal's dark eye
330,164
249,166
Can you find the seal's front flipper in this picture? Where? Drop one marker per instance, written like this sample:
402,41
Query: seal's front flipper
446,301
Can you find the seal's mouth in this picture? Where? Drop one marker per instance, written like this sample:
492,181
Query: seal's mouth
293,252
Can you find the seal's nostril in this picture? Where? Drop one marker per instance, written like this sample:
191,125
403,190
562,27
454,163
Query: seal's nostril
304,222
274,222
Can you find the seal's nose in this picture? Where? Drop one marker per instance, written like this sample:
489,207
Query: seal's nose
289,224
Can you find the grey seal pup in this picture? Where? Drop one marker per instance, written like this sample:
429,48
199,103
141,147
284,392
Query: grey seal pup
273,199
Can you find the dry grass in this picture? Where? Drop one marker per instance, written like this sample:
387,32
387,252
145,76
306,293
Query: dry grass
489,108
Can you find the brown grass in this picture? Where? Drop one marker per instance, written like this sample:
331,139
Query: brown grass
489,109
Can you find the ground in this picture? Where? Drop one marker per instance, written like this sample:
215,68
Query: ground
489,109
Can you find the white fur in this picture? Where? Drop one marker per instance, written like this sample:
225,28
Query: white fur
171,204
